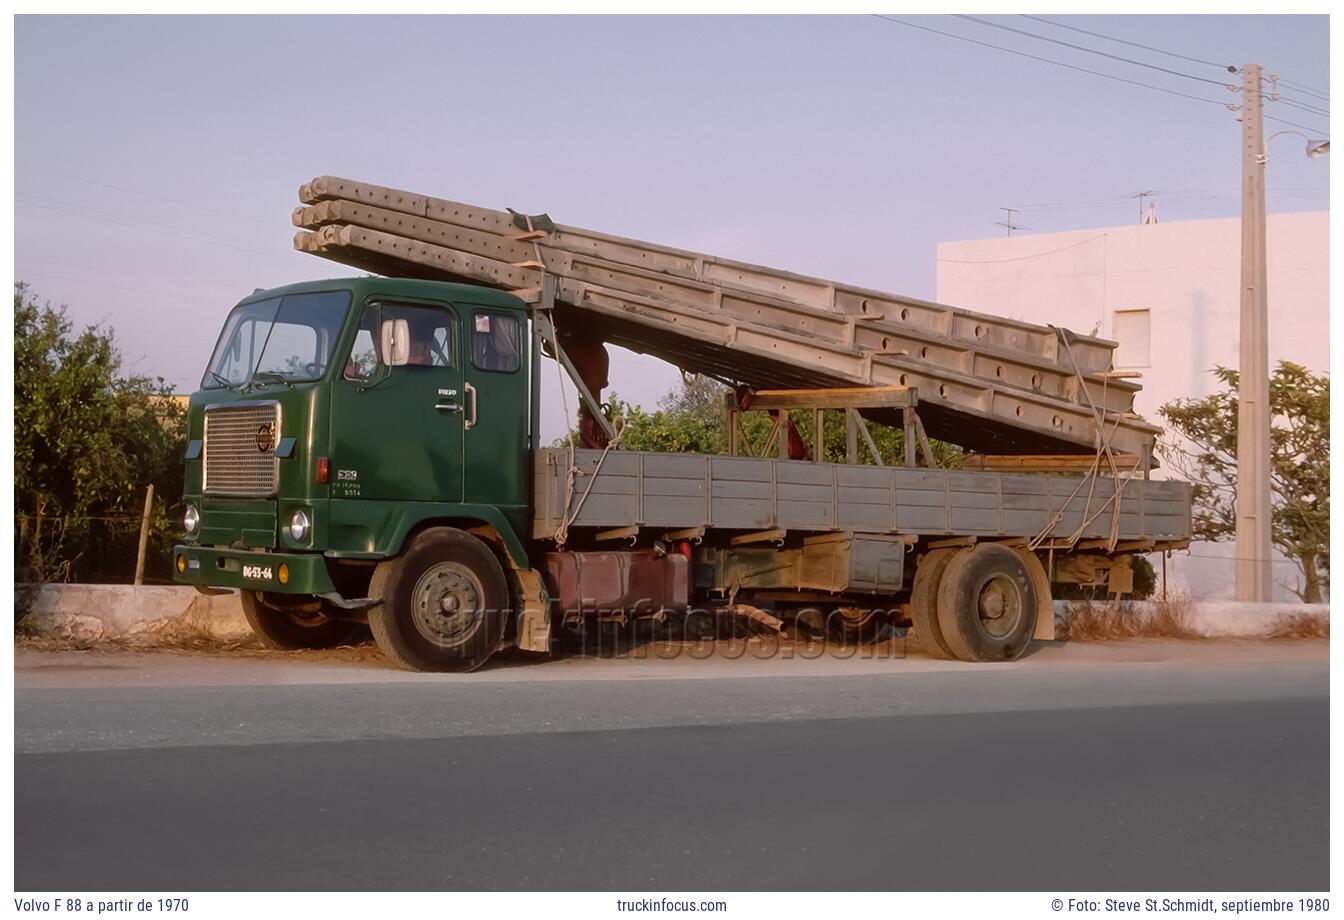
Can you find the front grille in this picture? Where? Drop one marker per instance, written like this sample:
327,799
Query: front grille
239,451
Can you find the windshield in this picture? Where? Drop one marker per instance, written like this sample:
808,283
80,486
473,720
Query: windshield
278,339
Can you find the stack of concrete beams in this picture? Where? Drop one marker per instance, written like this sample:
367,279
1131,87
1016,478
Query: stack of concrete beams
988,383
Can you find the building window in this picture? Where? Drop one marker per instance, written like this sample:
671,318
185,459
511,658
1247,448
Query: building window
1132,329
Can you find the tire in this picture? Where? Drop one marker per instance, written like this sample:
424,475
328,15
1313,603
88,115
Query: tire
289,629
1045,599
924,603
443,603
987,604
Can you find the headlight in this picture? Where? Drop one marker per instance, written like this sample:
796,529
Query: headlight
298,525
191,519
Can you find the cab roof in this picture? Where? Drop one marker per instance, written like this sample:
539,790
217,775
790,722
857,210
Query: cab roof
364,287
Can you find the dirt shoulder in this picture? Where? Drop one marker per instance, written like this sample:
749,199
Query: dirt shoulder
40,664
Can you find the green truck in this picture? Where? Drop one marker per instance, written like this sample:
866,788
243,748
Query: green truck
367,450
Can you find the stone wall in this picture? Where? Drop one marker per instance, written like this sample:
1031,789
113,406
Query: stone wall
145,613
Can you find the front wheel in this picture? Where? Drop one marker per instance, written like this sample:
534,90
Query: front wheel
443,603
287,628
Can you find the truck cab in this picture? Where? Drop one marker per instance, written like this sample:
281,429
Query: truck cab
338,421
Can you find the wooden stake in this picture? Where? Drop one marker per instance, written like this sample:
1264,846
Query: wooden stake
144,536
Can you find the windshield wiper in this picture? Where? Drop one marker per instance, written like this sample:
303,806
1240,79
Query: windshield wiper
260,378
226,384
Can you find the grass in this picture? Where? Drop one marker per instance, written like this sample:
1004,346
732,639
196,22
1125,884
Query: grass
1087,621
140,642
1301,626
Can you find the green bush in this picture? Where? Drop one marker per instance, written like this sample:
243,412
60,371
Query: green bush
88,439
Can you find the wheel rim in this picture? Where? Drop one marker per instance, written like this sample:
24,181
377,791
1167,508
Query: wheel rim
447,604
999,606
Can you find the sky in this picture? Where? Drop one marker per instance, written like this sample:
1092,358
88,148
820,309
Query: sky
157,159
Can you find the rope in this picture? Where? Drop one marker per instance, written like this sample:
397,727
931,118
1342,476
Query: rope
562,532
1090,478
573,472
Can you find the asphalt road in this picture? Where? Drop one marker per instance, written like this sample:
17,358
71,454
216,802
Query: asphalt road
1073,770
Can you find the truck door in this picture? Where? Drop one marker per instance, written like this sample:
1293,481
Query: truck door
397,409
495,450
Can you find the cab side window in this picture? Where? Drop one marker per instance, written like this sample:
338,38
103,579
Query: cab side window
496,342
428,334
431,334
363,359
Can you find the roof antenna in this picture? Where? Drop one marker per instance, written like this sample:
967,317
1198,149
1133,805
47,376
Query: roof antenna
1008,224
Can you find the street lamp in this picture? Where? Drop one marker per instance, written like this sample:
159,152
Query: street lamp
1316,147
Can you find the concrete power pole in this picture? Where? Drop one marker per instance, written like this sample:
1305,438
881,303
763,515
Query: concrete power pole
1254,576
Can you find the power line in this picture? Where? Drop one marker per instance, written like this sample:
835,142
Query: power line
1097,73
1303,106
1110,38
136,223
1034,255
1284,121
1305,89
1275,91
1046,60
1105,54
1171,194
143,194
1160,197
107,284
1211,197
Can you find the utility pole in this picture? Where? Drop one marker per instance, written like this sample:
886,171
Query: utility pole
1254,579
1009,222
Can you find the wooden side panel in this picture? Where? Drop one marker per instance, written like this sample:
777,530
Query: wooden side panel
673,491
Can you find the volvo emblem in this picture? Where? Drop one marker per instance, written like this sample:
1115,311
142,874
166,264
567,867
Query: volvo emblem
266,438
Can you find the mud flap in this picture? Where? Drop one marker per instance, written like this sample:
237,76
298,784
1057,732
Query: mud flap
533,625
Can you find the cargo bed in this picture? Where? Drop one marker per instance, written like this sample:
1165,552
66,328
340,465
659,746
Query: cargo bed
680,492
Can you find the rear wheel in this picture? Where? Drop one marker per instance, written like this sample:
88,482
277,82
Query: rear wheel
987,604
924,603
287,627
443,603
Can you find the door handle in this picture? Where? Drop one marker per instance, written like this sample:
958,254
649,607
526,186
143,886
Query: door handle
471,418
444,406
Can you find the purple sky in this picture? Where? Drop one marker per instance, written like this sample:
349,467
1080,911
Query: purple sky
157,158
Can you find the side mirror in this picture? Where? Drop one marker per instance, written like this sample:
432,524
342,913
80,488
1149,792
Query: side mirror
394,342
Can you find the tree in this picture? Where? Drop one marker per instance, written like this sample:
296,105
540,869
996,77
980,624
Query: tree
692,418
1206,454
689,419
88,439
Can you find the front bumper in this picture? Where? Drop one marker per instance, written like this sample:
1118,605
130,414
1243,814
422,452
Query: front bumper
304,573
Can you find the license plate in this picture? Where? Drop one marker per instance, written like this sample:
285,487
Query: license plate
257,572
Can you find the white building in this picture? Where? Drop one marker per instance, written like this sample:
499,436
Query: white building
1169,293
